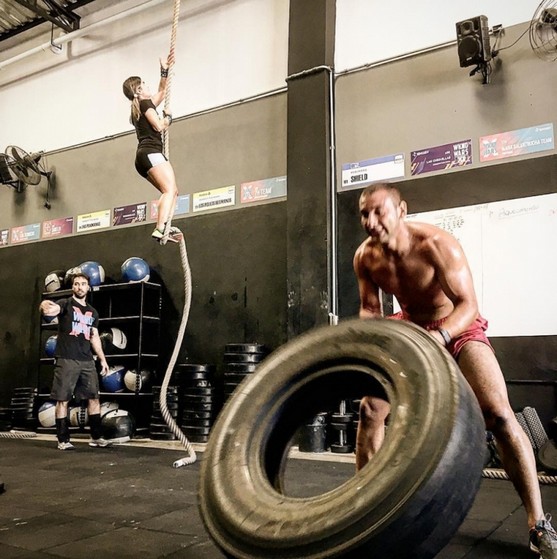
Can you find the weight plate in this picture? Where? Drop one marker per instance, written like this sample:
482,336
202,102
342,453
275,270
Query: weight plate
245,348
243,357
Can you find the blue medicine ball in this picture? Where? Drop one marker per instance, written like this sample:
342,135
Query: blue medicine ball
113,381
50,346
135,269
94,271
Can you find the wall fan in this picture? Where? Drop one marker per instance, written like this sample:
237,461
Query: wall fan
543,30
20,169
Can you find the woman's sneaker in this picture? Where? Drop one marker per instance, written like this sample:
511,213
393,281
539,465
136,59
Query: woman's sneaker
543,539
65,446
157,235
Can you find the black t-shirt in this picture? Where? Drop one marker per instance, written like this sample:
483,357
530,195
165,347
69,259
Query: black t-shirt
147,136
75,322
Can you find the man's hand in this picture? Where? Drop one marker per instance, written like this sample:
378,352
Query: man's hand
49,308
104,368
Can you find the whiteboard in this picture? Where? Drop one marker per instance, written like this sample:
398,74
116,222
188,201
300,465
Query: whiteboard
510,248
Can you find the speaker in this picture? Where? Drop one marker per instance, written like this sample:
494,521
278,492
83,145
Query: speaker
472,37
5,175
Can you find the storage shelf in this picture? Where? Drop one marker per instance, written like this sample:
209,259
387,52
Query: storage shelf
136,308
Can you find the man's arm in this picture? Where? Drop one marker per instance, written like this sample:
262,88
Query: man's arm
98,349
370,303
456,281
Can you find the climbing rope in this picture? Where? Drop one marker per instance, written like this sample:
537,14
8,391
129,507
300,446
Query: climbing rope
162,398
175,19
191,458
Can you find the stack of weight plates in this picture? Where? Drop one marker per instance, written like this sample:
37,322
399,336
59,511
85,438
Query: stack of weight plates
158,428
21,407
199,400
240,360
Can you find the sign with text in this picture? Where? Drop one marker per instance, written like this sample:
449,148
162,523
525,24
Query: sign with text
94,220
133,213
57,227
441,158
4,237
265,189
516,142
355,175
214,199
25,233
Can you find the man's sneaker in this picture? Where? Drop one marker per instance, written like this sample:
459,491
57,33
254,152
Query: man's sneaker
100,442
65,446
543,539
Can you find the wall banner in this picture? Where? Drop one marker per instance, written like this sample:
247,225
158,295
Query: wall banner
441,158
214,199
517,142
94,220
265,189
25,233
355,175
57,227
133,213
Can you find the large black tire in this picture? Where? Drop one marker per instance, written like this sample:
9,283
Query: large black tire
406,503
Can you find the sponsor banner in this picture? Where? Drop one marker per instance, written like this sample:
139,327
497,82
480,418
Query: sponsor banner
57,227
384,168
4,237
441,158
25,233
133,213
265,189
516,142
214,198
92,221
182,206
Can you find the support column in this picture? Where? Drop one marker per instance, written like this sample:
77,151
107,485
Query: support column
311,213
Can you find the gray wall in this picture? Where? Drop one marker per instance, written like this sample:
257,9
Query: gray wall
239,257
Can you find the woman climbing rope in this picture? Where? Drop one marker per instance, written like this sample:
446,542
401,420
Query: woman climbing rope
150,161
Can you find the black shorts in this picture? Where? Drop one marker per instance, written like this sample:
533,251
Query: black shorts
146,158
74,378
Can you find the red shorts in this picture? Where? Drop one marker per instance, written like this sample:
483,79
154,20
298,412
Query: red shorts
474,333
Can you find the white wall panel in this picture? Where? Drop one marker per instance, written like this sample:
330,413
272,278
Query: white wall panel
373,30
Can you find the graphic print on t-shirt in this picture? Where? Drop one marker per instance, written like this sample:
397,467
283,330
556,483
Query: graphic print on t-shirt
81,323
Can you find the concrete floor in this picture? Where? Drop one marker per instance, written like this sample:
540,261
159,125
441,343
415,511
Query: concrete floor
128,501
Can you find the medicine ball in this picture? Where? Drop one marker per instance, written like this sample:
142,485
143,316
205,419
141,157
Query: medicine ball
135,381
47,414
113,381
54,280
118,426
107,407
68,277
78,416
113,340
50,345
94,271
135,269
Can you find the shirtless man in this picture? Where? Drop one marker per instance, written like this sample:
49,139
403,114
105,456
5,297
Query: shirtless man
425,268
